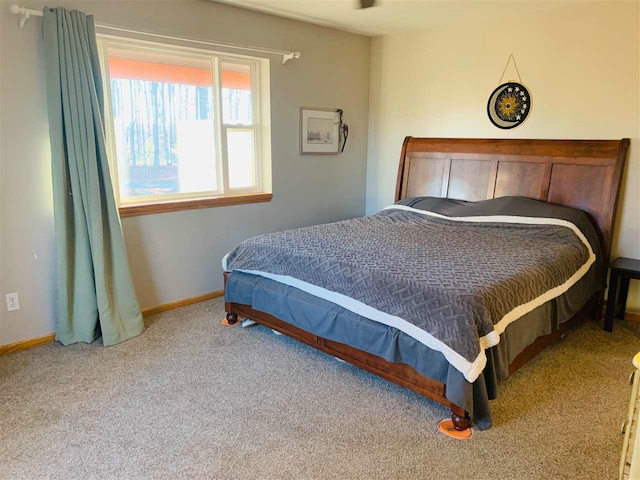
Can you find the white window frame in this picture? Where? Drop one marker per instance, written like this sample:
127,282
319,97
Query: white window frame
260,99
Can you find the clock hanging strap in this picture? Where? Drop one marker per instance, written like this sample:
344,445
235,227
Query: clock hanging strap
511,57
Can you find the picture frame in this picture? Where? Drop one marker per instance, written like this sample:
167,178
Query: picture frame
319,131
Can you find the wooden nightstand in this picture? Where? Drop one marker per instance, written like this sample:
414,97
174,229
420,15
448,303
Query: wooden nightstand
622,270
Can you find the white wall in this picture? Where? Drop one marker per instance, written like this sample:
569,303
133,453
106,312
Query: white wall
177,255
580,63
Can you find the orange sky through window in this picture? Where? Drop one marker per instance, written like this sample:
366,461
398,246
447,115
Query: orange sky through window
160,72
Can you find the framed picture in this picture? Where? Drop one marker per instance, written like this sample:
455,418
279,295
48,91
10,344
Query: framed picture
319,131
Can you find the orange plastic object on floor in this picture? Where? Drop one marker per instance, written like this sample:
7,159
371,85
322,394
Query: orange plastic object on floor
446,427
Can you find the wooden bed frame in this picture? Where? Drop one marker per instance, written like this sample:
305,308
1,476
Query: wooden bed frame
584,174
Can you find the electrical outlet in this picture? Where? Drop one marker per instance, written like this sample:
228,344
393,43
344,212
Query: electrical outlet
12,302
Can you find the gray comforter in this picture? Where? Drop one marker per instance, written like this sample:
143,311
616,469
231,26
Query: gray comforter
450,283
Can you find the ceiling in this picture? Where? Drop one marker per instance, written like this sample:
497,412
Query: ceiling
395,16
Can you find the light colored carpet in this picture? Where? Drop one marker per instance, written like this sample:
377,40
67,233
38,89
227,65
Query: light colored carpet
193,399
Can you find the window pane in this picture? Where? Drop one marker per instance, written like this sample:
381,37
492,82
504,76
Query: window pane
240,152
164,124
236,94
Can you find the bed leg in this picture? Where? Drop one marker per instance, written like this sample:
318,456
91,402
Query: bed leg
460,422
459,427
232,318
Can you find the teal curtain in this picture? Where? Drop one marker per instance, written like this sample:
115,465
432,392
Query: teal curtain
95,294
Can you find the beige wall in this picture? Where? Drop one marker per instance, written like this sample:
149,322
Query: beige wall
581,65
177,255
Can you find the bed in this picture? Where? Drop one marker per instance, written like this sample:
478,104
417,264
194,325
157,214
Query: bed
558,197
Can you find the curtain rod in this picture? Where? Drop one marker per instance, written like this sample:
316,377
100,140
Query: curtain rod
26,13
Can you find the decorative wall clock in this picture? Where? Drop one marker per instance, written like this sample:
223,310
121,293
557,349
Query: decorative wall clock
510,103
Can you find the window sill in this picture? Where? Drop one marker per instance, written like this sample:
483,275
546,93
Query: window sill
192,204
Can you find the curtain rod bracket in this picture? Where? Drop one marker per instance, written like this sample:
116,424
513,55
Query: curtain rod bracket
289,56
24,16
25,13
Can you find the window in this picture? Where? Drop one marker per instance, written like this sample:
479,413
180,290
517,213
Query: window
186,128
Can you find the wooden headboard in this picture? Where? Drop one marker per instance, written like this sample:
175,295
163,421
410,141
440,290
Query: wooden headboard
584,174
